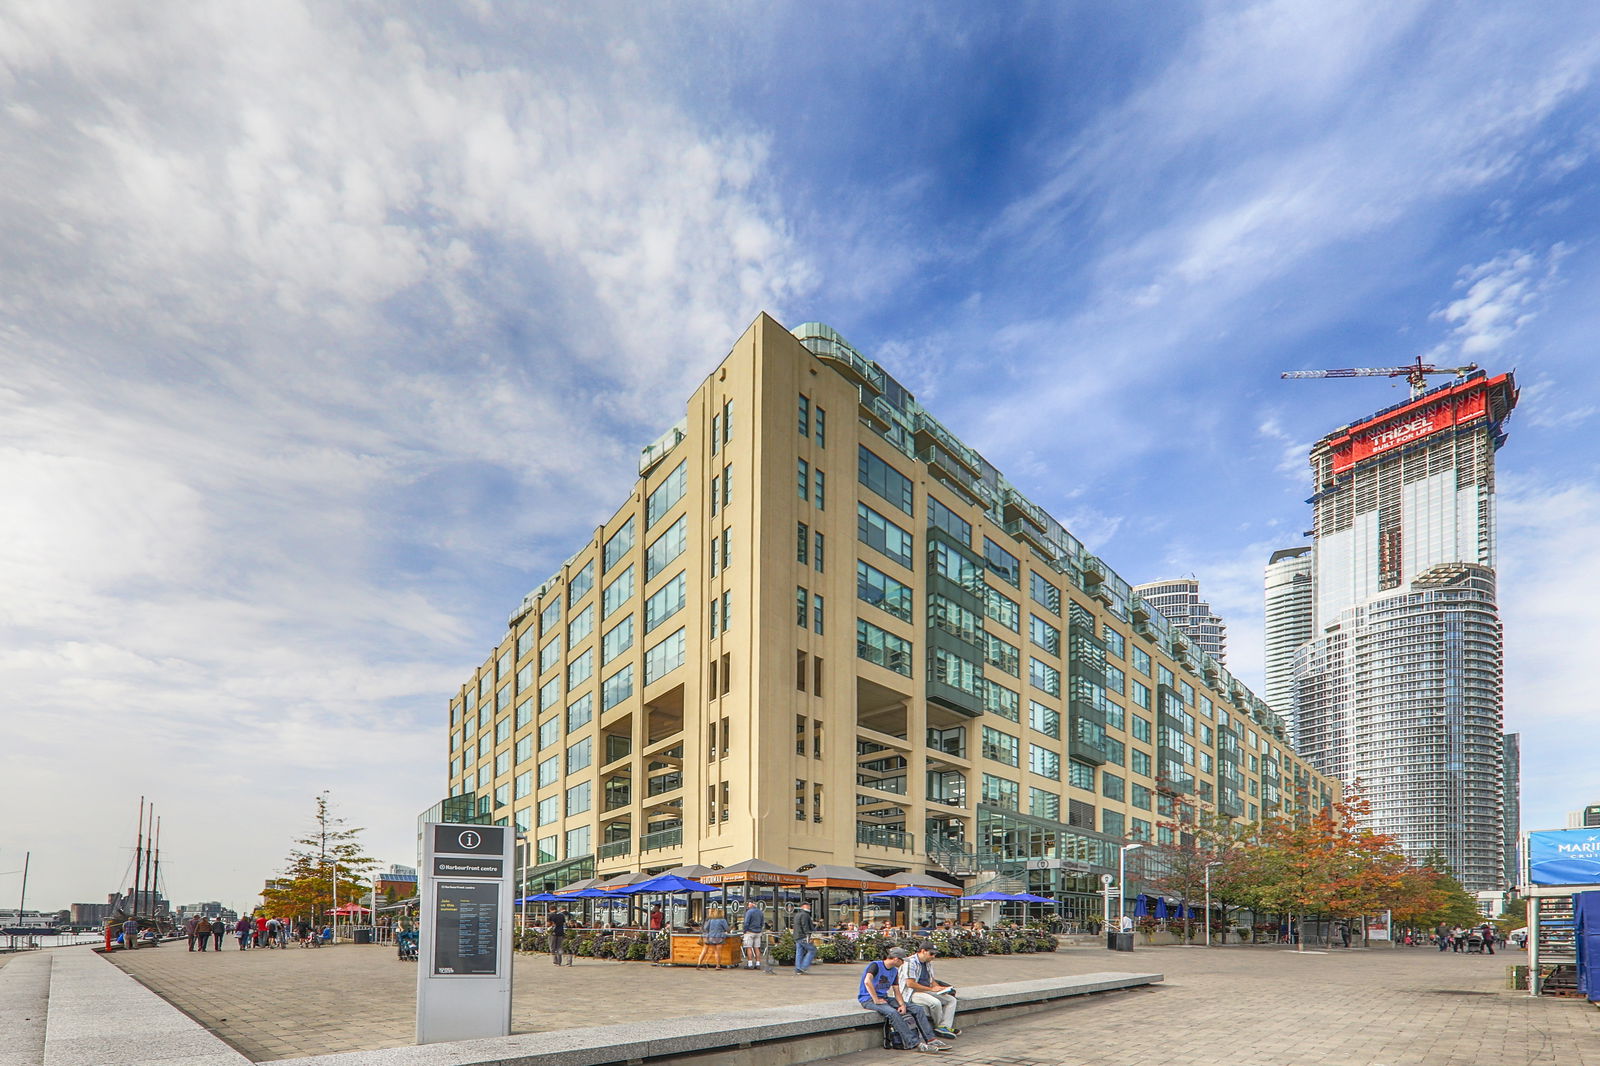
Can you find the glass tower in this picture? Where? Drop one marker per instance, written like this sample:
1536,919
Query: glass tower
1288,624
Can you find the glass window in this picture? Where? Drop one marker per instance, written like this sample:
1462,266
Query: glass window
882,647
664,495
802,543
618,545
550,771
1139,796
1044,720
617,593
1116,751
664,657
1044,635
580,712
550,693
550,615
1114,715
1080,774
805,415
802,600
883,479
1042,804
1186,691
1141,660
1116,680
1141,695
525,678
1001,562
617,687
502,698
1001,747
817,554
502,731
550,654
816,613
956,565
1141,729
666,602
524,784
1116,644
802,479
1112,823
999,792
580,755
997,699
822,428
580,584
578,798
502,763
820,479
525,641
618,639
549,810
1004,656
1164,676
524,749
881,590
951,669
878,532
577,842
666,547
549,732
1111,786
580,669
1044,762
1044,677
1044,594
941,517
1139,762
1002,609
581,626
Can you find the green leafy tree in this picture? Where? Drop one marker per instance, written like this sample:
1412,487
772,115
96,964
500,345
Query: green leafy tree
330,855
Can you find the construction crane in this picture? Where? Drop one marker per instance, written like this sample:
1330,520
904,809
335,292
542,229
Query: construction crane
1416,373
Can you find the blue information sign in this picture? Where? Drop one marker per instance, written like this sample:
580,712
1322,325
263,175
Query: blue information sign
1564,857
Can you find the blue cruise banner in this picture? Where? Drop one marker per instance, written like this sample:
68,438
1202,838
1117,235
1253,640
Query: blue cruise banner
1564,857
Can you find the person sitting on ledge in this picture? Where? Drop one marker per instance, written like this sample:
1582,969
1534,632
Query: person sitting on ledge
880,993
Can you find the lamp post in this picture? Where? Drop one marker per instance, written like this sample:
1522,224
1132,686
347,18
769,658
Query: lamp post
522,888
1209,866
1122,880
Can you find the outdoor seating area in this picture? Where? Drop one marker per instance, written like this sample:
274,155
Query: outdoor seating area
660,918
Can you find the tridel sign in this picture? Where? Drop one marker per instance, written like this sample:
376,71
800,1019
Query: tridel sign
1455,406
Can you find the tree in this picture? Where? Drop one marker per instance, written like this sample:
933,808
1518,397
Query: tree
1202,837
329,854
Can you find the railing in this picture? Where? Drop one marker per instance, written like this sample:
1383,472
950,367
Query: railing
879,837
665,838
666,783
656,450
613,849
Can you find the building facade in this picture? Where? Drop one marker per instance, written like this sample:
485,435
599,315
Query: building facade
1511,824
1400,689
1287,626
1178,599
823,630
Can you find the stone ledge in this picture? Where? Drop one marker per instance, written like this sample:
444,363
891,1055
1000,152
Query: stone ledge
720,1036
24,1007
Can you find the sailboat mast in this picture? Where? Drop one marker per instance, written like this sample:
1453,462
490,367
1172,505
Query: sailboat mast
138,857
155,874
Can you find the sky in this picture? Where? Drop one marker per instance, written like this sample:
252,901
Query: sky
327,331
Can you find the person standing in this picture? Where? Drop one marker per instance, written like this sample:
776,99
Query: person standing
242,929
711,941
805,950
755,923
202,931
1441,933
657,918
189,928
219,930
1488,938
130,933
558,934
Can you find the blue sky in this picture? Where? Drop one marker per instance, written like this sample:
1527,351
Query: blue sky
327,332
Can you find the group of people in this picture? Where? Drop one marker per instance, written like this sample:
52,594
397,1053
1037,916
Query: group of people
252,931
1455,938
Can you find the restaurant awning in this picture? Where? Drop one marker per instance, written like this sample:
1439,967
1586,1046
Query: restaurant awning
828,876
753,871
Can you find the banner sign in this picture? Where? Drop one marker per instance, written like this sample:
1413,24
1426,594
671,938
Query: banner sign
1379,926
1440,411
1564,857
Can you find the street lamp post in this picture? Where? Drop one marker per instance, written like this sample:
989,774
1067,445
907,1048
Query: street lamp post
522,887
1209,865
1122,880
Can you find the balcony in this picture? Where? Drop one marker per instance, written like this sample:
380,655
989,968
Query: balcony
661,784
665,838
1031,536
1026,510
954,699
657,450
1176,784
930,431
874,836
824,342
614,849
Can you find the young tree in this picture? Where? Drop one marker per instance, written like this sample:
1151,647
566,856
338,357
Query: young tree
326,864
1202,839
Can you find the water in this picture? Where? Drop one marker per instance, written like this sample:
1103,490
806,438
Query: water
58,941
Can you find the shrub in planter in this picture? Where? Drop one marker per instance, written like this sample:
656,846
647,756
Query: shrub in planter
658,948
783,950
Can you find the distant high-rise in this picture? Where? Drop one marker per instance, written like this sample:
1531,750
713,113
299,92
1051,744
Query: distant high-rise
1288,624
1399,691
1512,746
1178,599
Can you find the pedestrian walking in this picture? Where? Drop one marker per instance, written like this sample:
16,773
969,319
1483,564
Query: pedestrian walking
219,930
189,928
558,934
711,941
754,924
805,950
244,929
202,932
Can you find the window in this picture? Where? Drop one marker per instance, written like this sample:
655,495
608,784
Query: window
1111,786
666,602
502,698
525,678
716,433
802,600
816,802
1164,676
502,733
1140,830
1080,774
951,669
1139,796
1042,804
878,532
618,639
802,479
618,545
524,749
954,619
941,517
1044,677
802,543
550,771
580,713
1044,594
1116,680
664,495
581,584
1002,609
716,494
956,565
1044,762
1141,660
1080,814
1112,823
817,554
550,693
822,428
1001,747
883,479
884,648
665,657
1114,715
1115,750
550,654
819,479
805,415
580,755
998,653
1141,695
999,700
999,792
1001,562
816,613
578,798
800,789
616,688
549,732
524,784
1139,762
525,641
1116,644
502,763
727,421
617,593
580,669
1044,720
727,484
577,843
581,626
1044,634
1141,729
879,589
549,810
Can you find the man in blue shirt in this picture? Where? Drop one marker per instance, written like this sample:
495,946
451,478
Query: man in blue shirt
755,923
880,993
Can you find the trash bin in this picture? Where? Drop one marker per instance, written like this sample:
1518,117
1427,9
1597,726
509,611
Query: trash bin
1123,942
363,936
1111,940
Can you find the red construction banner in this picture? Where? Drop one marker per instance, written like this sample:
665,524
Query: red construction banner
1411,423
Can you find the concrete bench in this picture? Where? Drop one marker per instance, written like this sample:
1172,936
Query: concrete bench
774,1036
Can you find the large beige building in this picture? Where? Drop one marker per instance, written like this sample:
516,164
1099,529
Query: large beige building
824,630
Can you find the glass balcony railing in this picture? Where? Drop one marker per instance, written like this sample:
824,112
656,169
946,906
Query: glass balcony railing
874,836
665,838
614,849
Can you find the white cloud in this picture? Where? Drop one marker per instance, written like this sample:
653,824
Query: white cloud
1498,298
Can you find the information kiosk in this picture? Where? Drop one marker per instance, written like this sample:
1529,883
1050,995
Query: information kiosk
464,972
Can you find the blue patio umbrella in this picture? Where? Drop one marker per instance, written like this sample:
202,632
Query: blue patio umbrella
669,883
992,897
913,892
587,893
1029,897
1161,907
1141,907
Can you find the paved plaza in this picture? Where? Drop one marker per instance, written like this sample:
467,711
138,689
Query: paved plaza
1227,1006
